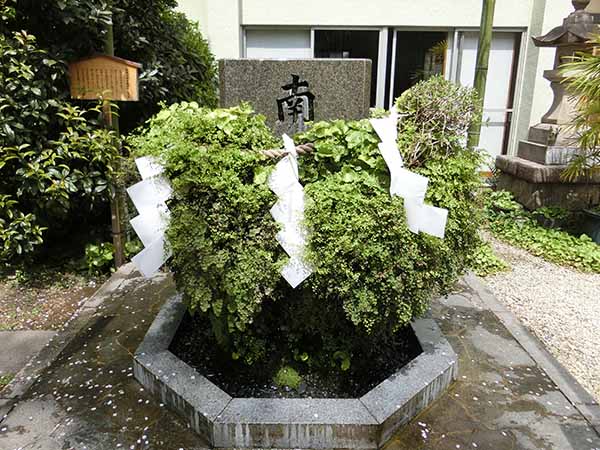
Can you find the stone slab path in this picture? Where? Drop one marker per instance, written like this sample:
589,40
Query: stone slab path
18,347
80,392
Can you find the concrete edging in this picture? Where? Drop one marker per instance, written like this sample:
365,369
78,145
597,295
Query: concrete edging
226,422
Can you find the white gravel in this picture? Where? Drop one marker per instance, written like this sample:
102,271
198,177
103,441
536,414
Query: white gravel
560,305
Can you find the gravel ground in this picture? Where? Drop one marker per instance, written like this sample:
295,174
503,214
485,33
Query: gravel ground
560,305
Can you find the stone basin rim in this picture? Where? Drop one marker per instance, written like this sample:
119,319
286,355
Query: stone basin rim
367,422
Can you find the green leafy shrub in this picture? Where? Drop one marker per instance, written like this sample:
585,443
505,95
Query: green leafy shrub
437,116
485,262
509,221
99,257
287,377
372,275
55,159
177,63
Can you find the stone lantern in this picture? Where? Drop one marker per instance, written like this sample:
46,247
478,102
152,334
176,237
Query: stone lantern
534,175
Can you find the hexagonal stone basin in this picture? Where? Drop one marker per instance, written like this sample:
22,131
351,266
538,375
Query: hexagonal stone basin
367,422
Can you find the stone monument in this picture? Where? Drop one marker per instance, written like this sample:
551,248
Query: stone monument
291,92
534,175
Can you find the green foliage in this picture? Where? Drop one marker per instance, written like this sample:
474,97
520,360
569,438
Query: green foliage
384,274
372,275
229,265
287,377
133,247
509,221
99,257
19,233
582,77
55,160
5,380
552,213
437,116
177,63
485,262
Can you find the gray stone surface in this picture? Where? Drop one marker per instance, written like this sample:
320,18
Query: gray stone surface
548,155
163,329
18,347
533,195
88,398
293,423
342,87
296,423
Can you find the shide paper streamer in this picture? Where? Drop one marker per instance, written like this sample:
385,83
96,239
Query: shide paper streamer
289,212
149,197
410,186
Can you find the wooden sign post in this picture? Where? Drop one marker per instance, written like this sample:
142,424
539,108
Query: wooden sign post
108,78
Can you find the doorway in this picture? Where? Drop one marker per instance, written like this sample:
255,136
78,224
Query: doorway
418,55
500,85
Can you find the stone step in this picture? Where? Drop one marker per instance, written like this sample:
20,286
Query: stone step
534,172
543,133
544,154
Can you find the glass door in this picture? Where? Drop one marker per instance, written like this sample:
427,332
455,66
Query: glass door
416,56
500,87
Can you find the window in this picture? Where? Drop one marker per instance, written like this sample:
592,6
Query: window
278,44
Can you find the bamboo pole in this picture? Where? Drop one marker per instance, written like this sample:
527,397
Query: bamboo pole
111,121
481,71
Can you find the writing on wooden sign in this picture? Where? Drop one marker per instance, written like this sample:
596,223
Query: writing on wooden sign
106,77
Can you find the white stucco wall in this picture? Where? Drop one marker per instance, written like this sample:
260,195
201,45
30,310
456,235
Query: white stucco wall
219,22
426,13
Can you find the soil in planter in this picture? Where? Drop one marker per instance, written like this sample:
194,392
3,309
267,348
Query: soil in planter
195,345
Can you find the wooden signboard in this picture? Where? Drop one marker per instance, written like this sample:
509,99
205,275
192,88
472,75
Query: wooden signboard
106,77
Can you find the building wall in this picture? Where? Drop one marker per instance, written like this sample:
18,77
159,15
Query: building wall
222,22
431,13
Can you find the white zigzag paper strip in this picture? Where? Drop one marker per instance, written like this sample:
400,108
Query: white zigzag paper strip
410,186
289,212
149,197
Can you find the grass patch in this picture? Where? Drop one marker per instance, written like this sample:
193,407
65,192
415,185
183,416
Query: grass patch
485,262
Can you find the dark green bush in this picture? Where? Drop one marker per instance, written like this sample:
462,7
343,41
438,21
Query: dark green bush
55,159
372,275
177,63
509,221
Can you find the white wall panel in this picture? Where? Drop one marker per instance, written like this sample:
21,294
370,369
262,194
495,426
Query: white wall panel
434,13
278,44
